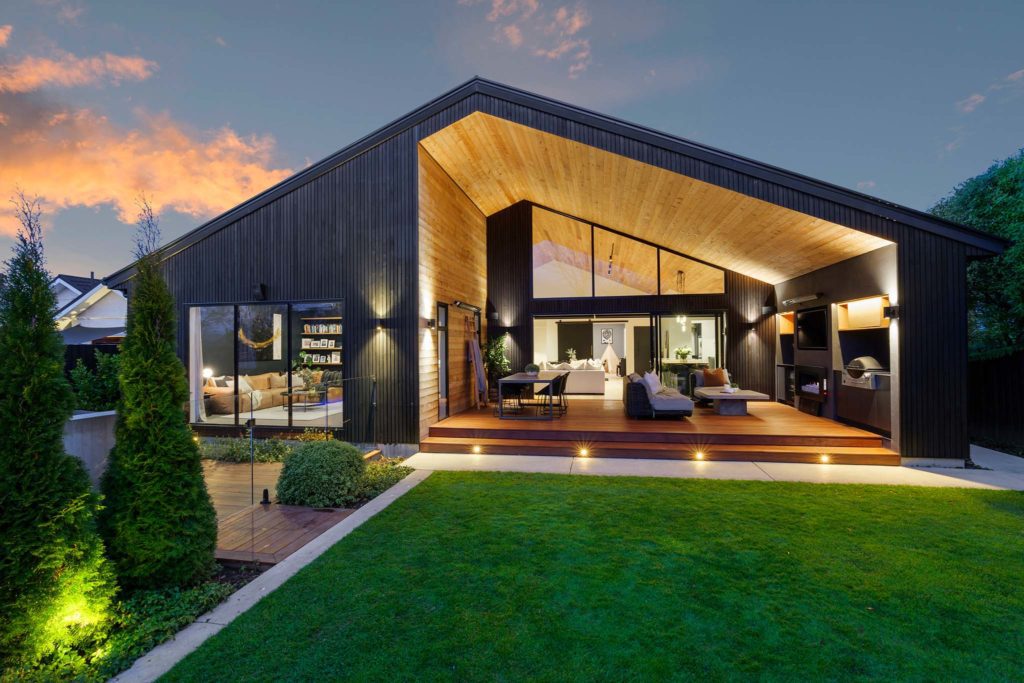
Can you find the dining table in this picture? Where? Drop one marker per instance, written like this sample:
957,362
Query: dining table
527,379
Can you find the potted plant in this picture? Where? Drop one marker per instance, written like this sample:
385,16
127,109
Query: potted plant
571,353
304,369
683,352
496,359
532,369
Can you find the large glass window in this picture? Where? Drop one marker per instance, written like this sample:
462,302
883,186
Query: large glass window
623,266
562,265
574,259
680,275
280,364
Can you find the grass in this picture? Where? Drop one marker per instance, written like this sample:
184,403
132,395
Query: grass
487,576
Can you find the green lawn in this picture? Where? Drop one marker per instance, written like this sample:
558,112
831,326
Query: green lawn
484,576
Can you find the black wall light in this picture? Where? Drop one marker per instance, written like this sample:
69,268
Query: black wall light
891,312
431,323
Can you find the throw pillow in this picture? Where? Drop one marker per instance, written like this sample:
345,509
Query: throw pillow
278,381
652,381
243,386
716,378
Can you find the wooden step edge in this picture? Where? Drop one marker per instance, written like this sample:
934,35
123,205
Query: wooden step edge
654,438
839,456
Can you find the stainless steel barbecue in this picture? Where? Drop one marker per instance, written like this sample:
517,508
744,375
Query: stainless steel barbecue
865,372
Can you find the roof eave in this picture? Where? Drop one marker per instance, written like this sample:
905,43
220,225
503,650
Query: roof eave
918,219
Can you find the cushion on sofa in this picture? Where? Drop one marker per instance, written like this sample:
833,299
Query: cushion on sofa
653,382
717,377
278,381
670,399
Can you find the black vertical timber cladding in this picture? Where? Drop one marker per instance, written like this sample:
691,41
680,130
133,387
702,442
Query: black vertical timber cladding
750,341
509,269
350,232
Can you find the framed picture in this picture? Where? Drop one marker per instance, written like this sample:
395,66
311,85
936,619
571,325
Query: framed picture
606,335
330,343
305,343
336,357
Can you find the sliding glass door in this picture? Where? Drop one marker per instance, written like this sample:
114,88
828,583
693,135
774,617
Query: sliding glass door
686,342
280,364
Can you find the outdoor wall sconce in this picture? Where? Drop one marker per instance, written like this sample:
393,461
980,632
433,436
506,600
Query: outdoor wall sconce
431,323
891,312
380,324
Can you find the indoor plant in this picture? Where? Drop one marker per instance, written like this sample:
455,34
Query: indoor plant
683,352
532,369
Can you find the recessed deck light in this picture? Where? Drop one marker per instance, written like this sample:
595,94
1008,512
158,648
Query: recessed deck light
584,452
699,455
825,458
477,449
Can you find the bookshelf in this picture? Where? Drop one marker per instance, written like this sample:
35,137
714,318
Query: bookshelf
321,339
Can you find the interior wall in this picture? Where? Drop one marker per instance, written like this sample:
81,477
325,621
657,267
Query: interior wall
452,267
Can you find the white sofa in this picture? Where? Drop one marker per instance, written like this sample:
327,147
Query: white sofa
585,376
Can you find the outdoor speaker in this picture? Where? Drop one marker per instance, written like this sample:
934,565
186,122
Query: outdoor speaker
259,292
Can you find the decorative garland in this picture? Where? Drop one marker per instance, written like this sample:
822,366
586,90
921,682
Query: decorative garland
259,346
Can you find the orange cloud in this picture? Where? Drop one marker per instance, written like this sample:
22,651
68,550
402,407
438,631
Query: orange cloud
33,73
970,103
79,158
5,34
550,35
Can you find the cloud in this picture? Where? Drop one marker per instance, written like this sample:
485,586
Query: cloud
866,185
77,157
5,34
553,36
67,70
1014,77
220,41
970,103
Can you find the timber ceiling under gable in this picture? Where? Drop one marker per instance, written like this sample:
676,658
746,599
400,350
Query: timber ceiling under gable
498,163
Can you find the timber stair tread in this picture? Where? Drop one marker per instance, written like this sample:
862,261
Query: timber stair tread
568,448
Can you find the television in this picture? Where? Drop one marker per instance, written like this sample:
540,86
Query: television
812,329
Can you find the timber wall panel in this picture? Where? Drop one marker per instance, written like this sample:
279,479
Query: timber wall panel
452,267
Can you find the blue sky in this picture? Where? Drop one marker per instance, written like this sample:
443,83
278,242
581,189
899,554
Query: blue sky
203,104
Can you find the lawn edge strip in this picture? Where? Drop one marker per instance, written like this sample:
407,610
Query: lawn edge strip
162,658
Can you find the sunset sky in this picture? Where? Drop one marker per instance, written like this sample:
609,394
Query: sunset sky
201,104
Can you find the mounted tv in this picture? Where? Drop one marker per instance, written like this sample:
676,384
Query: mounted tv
812,329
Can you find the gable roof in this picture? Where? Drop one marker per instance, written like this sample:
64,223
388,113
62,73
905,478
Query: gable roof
984,242
79,283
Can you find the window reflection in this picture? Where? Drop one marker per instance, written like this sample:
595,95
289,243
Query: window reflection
623,266
561,256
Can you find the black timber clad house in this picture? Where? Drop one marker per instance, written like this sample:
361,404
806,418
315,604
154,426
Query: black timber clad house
348,229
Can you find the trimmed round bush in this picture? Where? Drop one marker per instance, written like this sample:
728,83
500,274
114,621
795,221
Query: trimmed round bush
321,474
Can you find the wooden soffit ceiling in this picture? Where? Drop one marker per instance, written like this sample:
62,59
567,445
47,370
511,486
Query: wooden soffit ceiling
498,163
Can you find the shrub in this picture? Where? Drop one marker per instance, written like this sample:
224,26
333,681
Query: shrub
380,475
321,474
159,522
55,586
314,434
97,389
151,617
237,450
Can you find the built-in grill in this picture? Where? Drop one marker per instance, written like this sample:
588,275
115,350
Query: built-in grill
864,372
864,397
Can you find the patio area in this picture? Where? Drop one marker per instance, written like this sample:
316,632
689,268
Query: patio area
771,432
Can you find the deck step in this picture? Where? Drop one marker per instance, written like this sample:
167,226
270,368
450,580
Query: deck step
853,455
674,439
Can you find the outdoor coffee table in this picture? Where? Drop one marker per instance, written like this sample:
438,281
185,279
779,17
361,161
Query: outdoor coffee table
729,404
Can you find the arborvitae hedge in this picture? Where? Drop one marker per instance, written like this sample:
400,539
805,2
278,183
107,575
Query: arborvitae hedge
55,586
159,523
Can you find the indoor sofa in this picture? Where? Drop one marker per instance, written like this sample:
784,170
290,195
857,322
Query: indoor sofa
265,390
585,376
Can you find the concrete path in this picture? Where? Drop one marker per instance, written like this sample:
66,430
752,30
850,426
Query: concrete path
1005,471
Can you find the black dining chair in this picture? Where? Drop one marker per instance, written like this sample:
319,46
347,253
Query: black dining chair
556,391
512,399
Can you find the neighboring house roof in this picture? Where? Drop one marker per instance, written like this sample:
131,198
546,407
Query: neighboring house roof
920,220
97,312
79,283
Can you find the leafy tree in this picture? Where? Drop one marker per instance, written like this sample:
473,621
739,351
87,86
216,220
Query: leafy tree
159,522
994,203
55,586
97,389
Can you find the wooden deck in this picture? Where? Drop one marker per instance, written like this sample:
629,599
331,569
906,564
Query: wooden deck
771,432
265,534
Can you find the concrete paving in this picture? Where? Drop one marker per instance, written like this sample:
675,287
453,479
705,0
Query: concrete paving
1004,471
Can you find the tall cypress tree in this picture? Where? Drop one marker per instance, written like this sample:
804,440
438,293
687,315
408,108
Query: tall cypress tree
159,523
55,586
